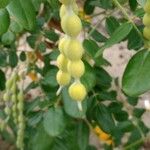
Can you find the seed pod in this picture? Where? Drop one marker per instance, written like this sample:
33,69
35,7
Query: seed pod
20,96
20,119
147,7
9,84
61,45
63,78
14,88
2,125
77,91
76,68
146,19
66,2
63,9
146,33
6,97
74,50
7,110
14,98
62,62
71,24
21,125
20,106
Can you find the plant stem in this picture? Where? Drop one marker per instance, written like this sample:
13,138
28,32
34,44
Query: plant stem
127,16
136,143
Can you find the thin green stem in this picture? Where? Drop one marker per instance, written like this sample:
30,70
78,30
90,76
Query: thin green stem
127,16
133,144
136,143
97,14
95,27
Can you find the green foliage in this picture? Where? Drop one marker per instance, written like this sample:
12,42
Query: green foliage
4,20
54,122
133,79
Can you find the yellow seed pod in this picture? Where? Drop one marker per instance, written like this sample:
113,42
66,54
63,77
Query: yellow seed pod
146,33
76,68
66,2
71,24
74,49
63,9
62,62
77,91
63,78
147,6
146,19
61,45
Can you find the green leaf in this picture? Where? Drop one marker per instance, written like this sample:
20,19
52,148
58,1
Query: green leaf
41,47
104,118
134,137
88,8
138,112
115,107
133,4
106,4
4,3
41,140
3,58
136,79
71,107
97,36
16,27
103,79
111,24
2,80
13,58
74,137
51,35
135,41
132,100
4,21
82,135
121,116
22,56
23,12
91,47
50,78
54,121
34,118
90,147
112,95
119,34
126,126
8,38
89,77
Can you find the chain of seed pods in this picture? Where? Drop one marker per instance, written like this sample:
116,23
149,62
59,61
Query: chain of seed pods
13,99
146,20
69,61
